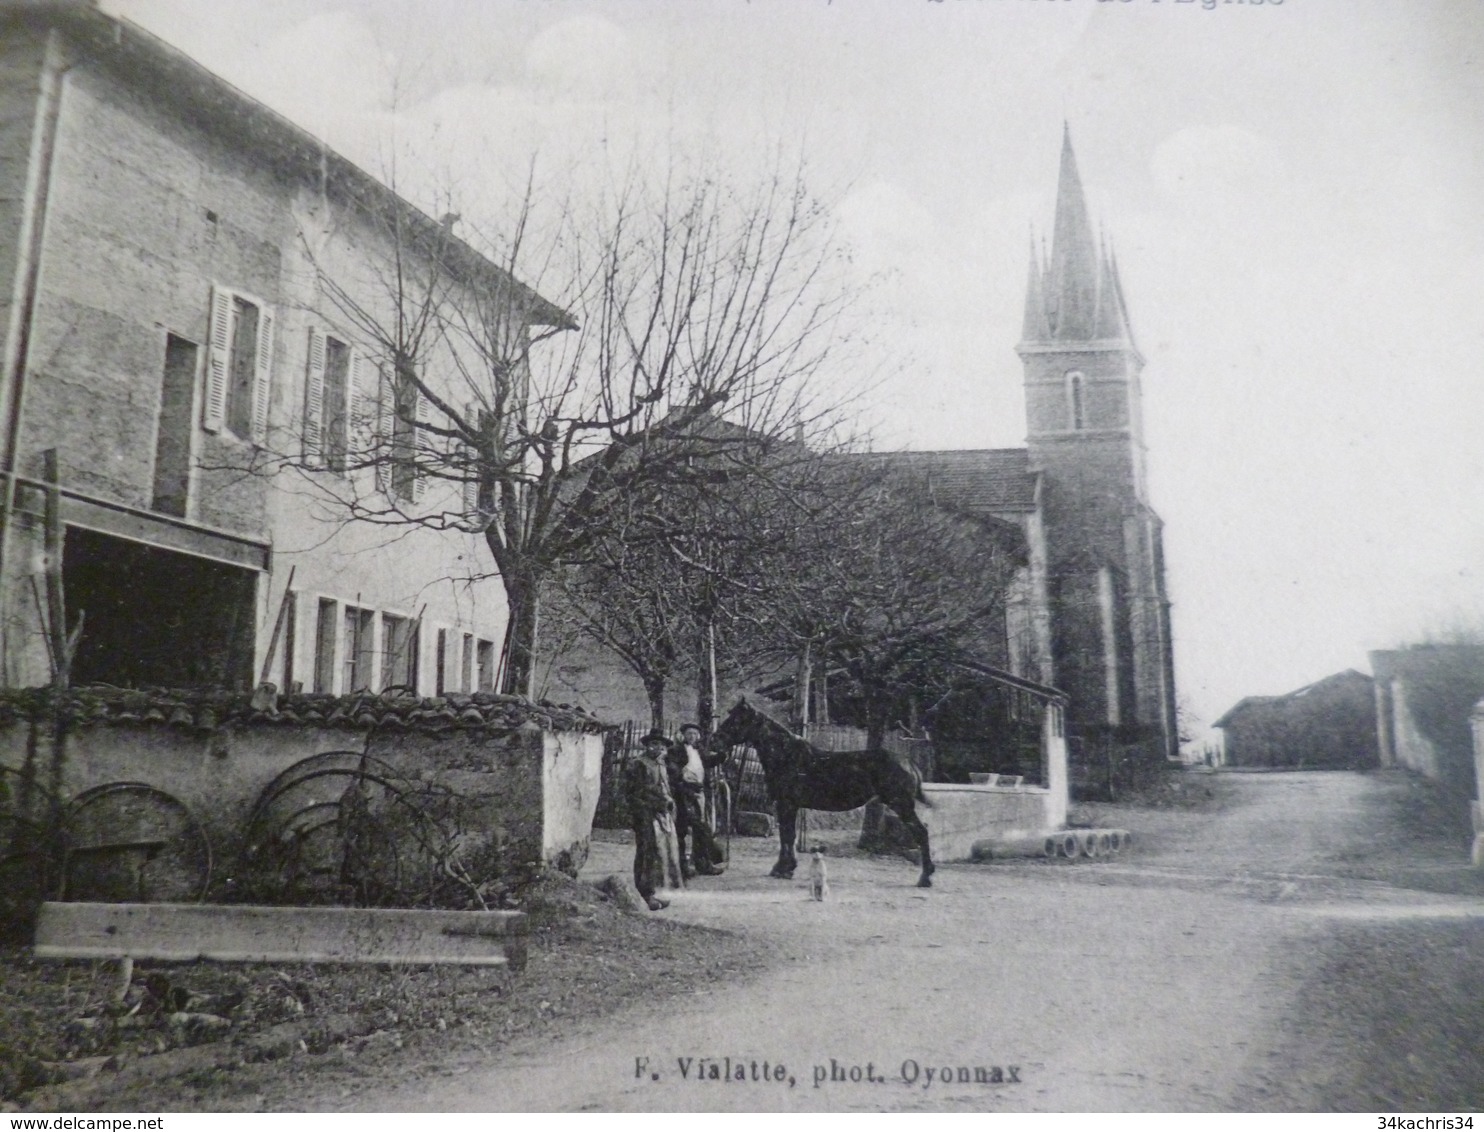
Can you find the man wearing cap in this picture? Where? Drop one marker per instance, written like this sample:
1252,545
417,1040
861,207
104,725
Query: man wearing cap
688,763
651,814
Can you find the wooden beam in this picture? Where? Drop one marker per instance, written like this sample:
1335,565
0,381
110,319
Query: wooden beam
244,933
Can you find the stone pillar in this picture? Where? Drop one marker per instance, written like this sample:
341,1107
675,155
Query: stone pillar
1476,807
1054,750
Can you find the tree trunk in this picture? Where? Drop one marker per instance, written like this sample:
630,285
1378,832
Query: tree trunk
654,688
706,683
802,679
873,826
519,653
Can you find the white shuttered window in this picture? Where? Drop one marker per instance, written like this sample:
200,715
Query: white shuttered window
239,371
314,400
328,400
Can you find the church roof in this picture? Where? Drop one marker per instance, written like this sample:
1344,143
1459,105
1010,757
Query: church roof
1075,294
976,480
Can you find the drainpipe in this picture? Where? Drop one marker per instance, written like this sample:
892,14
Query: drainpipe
23,313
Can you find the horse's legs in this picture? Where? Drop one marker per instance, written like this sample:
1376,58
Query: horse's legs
908,813
787,824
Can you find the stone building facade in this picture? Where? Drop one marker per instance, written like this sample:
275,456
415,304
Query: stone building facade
167,337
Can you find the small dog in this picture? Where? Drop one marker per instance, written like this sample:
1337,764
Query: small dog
819,877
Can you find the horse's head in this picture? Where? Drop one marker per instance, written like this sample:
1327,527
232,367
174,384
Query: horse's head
737,728
745,725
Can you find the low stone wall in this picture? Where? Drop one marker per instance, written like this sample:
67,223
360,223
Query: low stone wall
530,789
961,815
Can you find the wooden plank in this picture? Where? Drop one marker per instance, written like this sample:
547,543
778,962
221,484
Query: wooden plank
162,530
257,934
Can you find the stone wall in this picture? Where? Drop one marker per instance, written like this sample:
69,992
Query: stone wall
529,791
1424,697
961,815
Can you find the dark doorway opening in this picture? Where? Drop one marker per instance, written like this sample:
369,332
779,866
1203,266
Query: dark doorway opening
157,617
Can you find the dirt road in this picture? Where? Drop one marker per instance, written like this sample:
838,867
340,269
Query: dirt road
1174,978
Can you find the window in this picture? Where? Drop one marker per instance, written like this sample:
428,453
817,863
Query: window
440,684
360,627
1075,400
173,437
466,664
324,647
330,389
239,374
290,640
398,651
486,666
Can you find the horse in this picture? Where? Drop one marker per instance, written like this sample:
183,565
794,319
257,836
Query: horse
800,776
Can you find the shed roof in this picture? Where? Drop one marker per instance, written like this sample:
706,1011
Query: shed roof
1249,703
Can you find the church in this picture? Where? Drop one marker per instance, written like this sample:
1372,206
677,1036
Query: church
1086,620
1090,614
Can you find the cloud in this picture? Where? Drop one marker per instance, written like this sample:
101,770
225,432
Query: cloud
585,55
1223,166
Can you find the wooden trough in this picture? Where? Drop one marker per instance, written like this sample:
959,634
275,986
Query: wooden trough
257,934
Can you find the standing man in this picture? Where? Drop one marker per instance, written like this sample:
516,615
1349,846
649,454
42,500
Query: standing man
688,763
652,816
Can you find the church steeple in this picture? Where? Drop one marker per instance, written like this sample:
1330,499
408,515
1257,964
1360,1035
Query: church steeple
1109,618
1075,297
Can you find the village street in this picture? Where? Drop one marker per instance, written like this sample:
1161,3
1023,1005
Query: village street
1188,974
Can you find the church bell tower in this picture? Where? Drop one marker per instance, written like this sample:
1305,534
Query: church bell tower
1085,435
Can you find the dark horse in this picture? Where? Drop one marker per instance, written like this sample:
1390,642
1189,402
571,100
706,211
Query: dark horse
802,777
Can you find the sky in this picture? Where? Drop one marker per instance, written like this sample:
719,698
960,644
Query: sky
1292,190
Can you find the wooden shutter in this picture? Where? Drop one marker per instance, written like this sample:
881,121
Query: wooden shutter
419,414
382,448
314,400
262,385
471,467
360,402
218,360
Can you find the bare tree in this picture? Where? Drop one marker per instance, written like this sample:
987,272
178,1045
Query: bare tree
538,422
630,600
889,592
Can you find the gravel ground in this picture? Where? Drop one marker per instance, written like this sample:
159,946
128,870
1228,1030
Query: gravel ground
1292,942
587,959
1235,961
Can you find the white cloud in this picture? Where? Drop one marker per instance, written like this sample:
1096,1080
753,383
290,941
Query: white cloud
586,55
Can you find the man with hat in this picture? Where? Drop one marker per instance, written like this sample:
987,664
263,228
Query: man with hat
688,763
651,814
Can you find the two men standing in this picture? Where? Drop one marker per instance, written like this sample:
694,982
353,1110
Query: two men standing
665,791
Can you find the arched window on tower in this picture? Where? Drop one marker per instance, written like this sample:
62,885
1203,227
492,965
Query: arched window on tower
1076,402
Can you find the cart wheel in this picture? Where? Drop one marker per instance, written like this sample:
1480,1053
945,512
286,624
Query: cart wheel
341,827
127,841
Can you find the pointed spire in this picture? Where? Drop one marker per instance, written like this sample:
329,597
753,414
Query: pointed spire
1073,293
1111,321
1072,275
1127,328
1035,328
